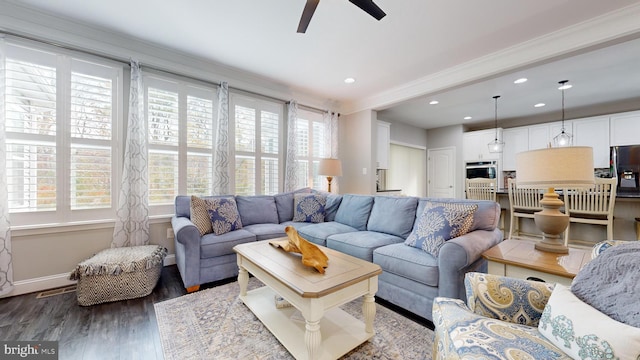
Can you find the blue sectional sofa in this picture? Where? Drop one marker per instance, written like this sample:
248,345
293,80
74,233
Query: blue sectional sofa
372,228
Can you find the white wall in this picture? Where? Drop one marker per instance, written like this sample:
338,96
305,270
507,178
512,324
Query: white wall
357,151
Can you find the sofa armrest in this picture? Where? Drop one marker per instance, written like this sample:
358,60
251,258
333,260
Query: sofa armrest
461,255
509,299
187,242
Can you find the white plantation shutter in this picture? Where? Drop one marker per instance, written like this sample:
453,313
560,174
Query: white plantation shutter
163,127
257,130
31,113
181,134
200,144
91,135
311,148
61,113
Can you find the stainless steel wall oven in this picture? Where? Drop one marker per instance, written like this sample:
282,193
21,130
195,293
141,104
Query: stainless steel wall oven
482,169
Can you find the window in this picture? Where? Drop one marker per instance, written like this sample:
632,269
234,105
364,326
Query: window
311,147
62,117
180,122
256,130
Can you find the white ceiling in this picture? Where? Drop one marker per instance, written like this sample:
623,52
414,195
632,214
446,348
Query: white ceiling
417,39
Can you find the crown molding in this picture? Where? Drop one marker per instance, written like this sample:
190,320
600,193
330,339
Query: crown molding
22,19
598,31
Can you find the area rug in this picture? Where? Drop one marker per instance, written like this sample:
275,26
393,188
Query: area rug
215,324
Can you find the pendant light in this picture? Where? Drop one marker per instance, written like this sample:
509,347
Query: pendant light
496,145
564,138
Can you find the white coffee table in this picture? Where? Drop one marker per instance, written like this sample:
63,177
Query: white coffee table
326,332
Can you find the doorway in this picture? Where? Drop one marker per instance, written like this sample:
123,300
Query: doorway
407,169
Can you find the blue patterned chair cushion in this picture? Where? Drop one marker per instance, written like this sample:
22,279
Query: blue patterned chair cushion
462,334
583,332
309,208
508,299
440,222
224,215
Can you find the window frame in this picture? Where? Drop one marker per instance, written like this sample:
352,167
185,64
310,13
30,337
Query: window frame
313,180
65,63
259,104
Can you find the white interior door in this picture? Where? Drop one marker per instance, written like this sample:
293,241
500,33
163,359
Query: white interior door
407,170
441,177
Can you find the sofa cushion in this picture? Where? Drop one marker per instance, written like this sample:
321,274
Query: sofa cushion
257,209
354,211
393,215
200,215
284,204
584,332
408,262
213,245
331,209
318,233
266,231
440,222
485,218
224,215
309,207
361,244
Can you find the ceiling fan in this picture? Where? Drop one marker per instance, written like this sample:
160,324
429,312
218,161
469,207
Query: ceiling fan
367,5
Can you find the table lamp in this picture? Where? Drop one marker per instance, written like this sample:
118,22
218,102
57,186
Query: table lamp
330,168
565,168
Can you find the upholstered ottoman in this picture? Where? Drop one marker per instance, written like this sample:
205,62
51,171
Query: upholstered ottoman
118,274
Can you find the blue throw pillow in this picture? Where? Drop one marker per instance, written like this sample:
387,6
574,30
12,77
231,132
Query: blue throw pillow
309,207
440,222
224,215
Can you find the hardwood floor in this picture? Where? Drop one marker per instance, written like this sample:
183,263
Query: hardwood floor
116,330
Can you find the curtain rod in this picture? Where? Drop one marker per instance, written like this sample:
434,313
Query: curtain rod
150,67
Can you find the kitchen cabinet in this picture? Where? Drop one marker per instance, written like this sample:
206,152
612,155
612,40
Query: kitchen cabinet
475,145
384,139
625,129
594,132
515,140
541,136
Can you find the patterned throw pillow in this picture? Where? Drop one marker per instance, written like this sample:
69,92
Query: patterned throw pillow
224,215
440,222
200,216
309,208
583,332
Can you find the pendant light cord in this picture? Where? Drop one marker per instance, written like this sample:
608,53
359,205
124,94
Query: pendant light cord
562,87
496,116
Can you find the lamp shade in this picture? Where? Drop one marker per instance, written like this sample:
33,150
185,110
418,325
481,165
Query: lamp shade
566,167
330,167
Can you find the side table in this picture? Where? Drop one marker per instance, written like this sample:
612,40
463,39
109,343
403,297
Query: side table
520,259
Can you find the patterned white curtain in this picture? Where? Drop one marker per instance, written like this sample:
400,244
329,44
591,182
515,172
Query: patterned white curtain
330,120
291,165
6,264
132,217
221,146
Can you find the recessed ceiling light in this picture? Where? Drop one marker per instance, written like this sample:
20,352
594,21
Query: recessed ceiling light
468,118
433,102
539,105
520,81
565,87
349,80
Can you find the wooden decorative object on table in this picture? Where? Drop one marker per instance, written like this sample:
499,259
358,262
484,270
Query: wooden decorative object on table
311,255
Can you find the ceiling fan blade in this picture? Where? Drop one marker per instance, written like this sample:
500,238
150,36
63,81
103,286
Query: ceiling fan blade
307,13
370,8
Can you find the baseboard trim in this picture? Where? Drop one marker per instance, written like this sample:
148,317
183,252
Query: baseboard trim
22,287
